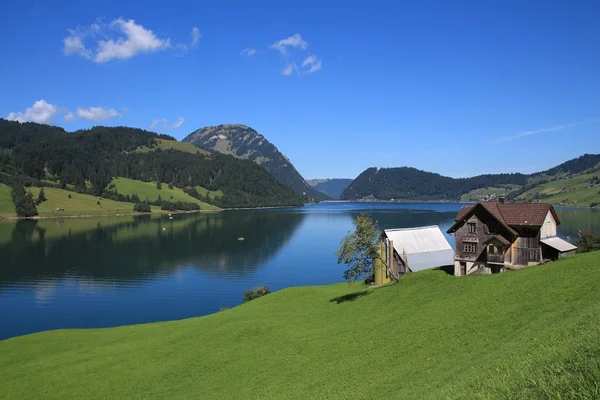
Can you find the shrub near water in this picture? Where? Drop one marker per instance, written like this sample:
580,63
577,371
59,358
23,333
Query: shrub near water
256,292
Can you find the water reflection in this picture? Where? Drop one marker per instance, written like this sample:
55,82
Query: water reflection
141,247
77,273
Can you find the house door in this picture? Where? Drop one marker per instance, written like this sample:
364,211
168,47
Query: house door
463,268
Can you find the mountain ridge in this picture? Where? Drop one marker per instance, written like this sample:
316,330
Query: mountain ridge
408,183
87,160
330,186
244,142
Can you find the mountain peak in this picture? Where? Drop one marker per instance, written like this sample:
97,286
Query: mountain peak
241,141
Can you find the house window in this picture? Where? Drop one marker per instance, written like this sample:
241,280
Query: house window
470,247
472,227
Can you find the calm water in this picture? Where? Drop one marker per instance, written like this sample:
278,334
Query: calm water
80,273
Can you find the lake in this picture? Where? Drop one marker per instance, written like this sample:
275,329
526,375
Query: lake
102,272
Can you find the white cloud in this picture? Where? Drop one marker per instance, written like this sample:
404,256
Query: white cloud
121,39
69,117
292,41
289,69
162,123
248,51
534,132
158,121
196,35
313,63
178,123
41,112
97,113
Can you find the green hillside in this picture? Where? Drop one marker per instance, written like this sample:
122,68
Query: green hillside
148,190
581,190
7,208
522,334
165,144
79,204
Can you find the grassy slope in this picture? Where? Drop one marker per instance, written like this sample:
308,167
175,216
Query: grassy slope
148,190
174,145
212,193
429,336
572,188
79,204
485,193
7,208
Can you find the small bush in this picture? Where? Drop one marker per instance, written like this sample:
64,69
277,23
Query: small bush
588,241
595,204
70,195
256,292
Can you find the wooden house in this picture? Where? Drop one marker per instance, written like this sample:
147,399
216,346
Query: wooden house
410,250
491,237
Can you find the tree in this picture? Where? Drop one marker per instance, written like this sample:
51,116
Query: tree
588,241
158,185
358,250
41,197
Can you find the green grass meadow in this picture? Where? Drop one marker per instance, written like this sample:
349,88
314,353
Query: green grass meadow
164,144
7,207
79,204
148,190
528,334
573,188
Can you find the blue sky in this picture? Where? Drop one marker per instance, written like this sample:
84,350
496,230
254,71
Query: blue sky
458,88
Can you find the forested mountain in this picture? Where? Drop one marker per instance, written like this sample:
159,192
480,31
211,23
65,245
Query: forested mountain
413,184
245,143
574,166
332,187
406,183
87,160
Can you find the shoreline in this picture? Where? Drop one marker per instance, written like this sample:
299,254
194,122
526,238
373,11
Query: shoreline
38,217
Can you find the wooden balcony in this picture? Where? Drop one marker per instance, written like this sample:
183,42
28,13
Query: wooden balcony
495,258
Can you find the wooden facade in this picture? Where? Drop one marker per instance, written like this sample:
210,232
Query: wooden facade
493,237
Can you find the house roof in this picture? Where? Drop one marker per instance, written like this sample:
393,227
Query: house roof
558,243
512,214
499,238
425,247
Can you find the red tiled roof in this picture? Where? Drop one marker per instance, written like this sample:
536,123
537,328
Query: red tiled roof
463,211
514,214
525,214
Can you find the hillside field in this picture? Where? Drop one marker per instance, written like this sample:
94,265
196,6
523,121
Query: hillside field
164,144
524,334
148,190
565,191
79,204
7,207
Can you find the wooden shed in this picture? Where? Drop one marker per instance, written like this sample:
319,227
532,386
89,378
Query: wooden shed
409,250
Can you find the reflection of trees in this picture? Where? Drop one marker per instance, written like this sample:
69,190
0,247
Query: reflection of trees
572,220
139,248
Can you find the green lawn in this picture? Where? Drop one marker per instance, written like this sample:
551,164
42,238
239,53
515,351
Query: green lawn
148,190
523,334
7,207
174,145
79,204
485,193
